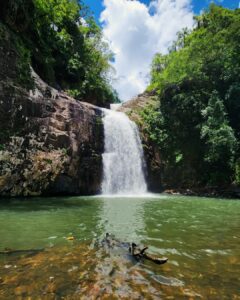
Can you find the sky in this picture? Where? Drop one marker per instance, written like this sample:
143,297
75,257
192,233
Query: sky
137,29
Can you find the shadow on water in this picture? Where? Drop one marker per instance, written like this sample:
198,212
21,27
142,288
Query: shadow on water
38,203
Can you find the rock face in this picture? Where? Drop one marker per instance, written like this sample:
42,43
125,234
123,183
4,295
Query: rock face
152,155
50,143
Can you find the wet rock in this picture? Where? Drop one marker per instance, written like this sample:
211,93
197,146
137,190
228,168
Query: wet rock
153,167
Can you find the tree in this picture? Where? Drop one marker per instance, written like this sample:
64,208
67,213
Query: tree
219,138
66,50
198,88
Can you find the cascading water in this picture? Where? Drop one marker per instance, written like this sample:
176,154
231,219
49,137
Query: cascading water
123,156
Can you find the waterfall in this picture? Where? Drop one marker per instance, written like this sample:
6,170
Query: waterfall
122,157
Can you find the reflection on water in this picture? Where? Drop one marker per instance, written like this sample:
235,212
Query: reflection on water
199,236
123,217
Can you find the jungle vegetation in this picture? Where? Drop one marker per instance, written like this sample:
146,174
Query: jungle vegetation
196,123
64,45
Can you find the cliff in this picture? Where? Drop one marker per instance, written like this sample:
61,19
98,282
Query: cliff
158,174
133,109
52,143
49,143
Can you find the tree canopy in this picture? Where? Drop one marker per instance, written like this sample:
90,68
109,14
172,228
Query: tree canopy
65,46
196,123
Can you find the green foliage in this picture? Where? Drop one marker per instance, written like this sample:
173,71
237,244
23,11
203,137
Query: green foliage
23,65
218,135
16,63
99,121
154,126
219,139
197,123
66,50
237,172
17,13
64,151
48,161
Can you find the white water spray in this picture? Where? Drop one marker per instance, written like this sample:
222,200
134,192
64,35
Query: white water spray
123,156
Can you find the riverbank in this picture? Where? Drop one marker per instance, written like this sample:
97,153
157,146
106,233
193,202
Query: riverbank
213,192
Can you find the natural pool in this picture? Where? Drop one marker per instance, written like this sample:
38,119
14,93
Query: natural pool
200,236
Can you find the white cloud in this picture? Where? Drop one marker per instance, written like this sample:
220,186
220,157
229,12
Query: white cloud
136,32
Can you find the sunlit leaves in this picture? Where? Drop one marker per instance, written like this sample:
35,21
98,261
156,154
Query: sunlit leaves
198,83
74,54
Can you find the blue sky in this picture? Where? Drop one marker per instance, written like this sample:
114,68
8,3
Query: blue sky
137,30
96,6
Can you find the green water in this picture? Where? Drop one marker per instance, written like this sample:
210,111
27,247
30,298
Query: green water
200,236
